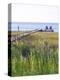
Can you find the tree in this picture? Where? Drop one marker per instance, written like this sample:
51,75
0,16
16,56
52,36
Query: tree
46,27
51,27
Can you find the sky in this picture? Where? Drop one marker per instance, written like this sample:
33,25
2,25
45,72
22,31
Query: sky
27,26
34,13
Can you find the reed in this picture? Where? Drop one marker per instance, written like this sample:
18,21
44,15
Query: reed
34,57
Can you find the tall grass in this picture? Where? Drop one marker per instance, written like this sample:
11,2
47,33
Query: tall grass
42,59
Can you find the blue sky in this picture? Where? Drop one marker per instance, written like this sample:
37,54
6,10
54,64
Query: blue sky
25,26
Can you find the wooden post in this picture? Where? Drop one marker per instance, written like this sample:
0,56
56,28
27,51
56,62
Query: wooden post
18,29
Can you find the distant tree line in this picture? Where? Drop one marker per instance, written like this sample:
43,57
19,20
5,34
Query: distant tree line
47,29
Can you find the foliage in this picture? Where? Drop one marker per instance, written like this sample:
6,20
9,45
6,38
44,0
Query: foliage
34,55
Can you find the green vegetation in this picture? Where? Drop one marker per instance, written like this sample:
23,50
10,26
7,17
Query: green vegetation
35,54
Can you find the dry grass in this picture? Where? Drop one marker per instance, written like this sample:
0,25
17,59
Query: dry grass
15,33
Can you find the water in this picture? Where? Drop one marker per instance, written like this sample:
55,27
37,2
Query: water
27,26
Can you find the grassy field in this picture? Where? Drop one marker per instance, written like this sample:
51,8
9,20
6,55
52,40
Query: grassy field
35,54
15,32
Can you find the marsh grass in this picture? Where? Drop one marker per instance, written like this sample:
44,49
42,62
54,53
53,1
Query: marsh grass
36,57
